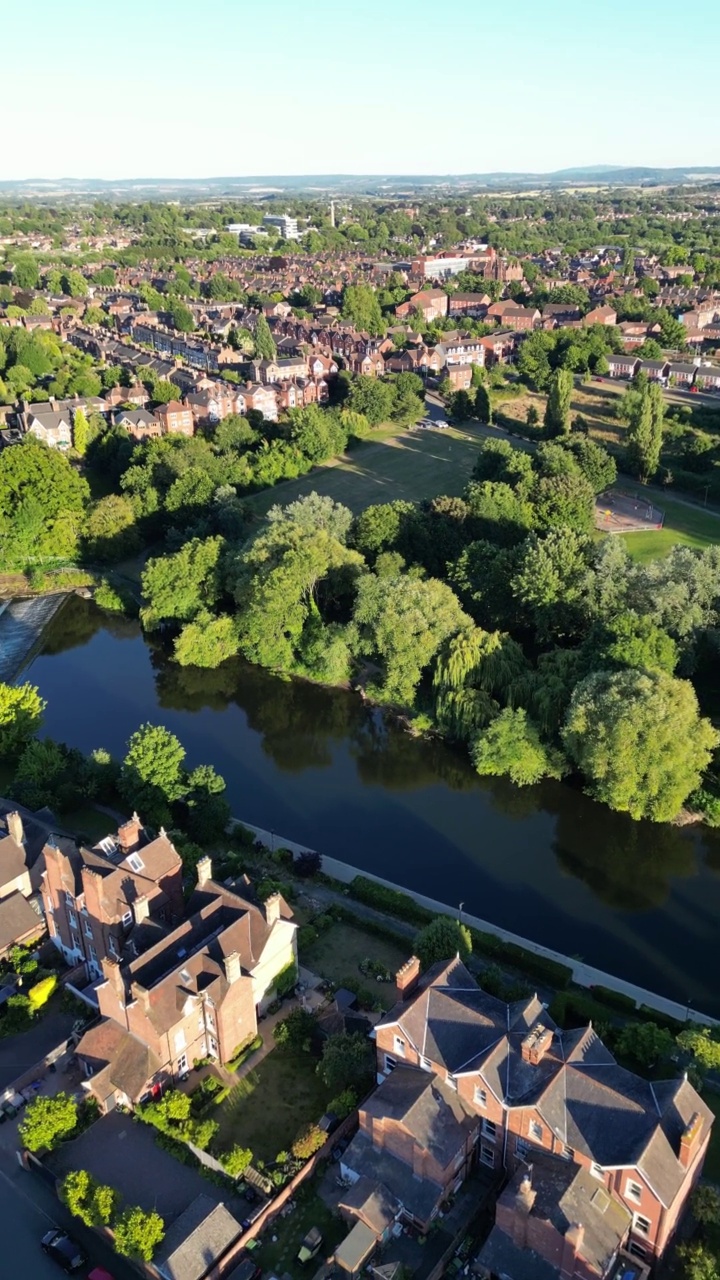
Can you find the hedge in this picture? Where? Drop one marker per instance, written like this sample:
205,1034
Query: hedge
390,900
572,1009
242,1053
541,968
615,999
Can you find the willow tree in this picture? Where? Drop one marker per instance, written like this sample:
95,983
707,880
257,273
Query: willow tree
474,668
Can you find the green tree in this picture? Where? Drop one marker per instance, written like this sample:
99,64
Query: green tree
152,776
511,745
557,411
552,581
347,1063
47,1121
138,1233
699,1262
92,1202
236,1160
111,531
179,586
483,406
42,499
26,274
21,713
635,641
596,464
373,398
644,434
402,621
704,1045
706,1206
207,641
640,741
442,939
295,1031
563,501
645,1044
81,432
462,406
265,347
379,527
181,317
361,309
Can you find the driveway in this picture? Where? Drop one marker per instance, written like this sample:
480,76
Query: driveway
19,1053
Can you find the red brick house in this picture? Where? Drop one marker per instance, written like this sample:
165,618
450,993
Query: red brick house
194,994
625,365
526,1093
468,304
175,418
499,347
601,315
707,378
431,302
459,376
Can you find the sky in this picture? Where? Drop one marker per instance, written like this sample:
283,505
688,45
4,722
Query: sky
176,88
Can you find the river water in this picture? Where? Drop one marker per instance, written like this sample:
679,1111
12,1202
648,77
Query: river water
314,765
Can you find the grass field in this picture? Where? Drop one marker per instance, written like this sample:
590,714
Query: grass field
337,955
412,465
689,526
269,1107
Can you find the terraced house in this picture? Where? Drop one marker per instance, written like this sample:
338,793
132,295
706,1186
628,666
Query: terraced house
466,1079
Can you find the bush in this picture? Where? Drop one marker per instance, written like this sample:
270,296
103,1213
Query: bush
236,1160
243,1051
307,935
295,1031
286,980
307,864
115,599
343,1104
41,992
48,1121
390,900
615,999
138,1234
310,1140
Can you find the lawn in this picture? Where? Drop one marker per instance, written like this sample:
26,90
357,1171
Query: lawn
269,1107
690,526
412,465
711,1170
338,952
279,1255
88,823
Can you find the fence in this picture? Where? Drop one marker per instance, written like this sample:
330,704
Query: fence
584,975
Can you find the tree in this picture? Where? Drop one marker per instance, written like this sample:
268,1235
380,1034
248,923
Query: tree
208,812
111,531
312,513
373,398
181,317
645,1043
640,741
442,939
511,745
317,432
179,586
563,501
138,1233
92,1202
706,1205
346,1063
557,410
361,309
704,1045
295,1031
42,499
699,1262
499,460
596,464
207,641
644,434
379,527
151,776
462,406
552,581
483,406
402,621
81,432
236,1160
47,1121
265,347
26,274
21,713
635,641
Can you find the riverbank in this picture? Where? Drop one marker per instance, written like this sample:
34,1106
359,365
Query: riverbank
583,975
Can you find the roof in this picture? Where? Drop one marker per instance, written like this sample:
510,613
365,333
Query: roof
197,1240
120,1060
427,1108
372,1202
500,1256
355,1247
419,1196
17,920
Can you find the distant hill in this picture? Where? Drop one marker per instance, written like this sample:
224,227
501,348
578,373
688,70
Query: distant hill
323,185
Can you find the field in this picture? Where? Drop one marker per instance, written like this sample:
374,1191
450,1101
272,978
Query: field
412,465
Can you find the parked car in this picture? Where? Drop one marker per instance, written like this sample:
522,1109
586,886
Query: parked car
63,1250
310,1246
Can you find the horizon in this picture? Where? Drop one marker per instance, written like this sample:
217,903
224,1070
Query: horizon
531,90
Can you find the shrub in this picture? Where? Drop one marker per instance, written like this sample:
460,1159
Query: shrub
286,979
307,864
236,1160
309,1141
307,935
343,1104
615,999
94,1203
138,1234
390,900
41,992
243,1051
47,1121
295,1031
16,1017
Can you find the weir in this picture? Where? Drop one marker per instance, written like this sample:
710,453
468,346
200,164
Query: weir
22,623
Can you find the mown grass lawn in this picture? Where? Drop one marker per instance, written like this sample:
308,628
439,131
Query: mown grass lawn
269,1107
685,525
411,465
338,952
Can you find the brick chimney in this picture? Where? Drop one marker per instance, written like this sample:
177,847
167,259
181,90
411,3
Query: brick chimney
141,994
15,827
204,871
233,969
572,1248
272,908
128,836
141,908
113,974
407,978
536,1044
522,1207
690,1140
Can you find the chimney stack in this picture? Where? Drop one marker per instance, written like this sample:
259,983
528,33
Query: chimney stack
128,835
407,978
141,908
272,908
233,968
15,827
140,994
114,975
536,1044
571,1250
204,871
690,1140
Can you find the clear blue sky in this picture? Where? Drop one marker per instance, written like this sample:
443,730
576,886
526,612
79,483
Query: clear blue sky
150,88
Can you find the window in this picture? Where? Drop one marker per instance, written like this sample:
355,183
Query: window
641,1224
637,1250
480,1096
566,1153
93,954
69,900
390,1063
127,919
213,1047
536,1131
489,1129
399,1046
597,1171
88,929
75,942
113,946
179,1040
451,1081
633,1191
521,1147
182,1064
425,1064
487,1155
72,918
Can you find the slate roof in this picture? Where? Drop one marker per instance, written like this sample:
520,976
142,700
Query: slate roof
196,1240
427,1108
500,1256
372,1202
418,1196
17,920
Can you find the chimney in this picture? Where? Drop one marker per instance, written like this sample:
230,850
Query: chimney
536,1044
141,908
521,1209
232,967
690,1140
114,975
572,1249
128,835
407,978
141,994
272,908
15,827
204,871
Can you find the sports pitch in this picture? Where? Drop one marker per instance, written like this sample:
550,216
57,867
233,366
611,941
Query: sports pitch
411,465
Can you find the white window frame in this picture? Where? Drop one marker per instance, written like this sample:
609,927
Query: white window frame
390,1063
480,1096
399,1046
182,1064
637,1250
127,919
88,929
113,947
487,1155
597,1171
536,1131
643,1230
489,1129
72,918
425,1063
633,1191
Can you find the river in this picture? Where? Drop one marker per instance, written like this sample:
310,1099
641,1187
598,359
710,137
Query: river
317,766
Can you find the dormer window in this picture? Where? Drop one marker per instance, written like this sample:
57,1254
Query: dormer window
136,862
399,1046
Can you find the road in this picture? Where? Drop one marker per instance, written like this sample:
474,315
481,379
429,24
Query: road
29,1208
